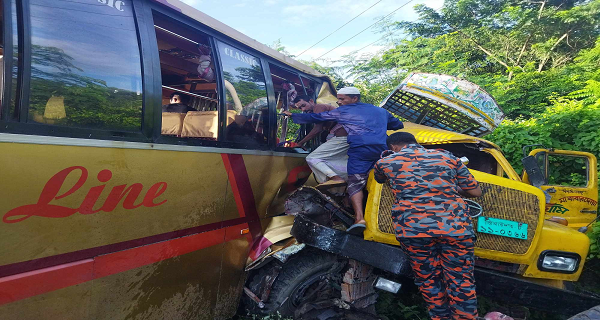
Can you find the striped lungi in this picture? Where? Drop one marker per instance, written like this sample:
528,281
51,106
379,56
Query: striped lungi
330,159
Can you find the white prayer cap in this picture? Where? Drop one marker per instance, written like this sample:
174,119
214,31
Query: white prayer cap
348,90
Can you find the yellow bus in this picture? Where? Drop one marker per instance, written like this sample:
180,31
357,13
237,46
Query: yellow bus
142,157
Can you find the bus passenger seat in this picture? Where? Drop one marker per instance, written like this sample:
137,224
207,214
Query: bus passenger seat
203,124
172,123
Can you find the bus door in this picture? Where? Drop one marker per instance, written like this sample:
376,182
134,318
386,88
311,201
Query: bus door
570,181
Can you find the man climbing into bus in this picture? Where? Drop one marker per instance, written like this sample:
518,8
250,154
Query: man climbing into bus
329,160
366,126
432,223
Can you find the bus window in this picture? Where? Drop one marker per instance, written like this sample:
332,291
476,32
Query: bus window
85,65
246,95
310,87
1,55
287,87
10,105
189,89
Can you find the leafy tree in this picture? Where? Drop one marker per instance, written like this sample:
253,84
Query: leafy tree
521,51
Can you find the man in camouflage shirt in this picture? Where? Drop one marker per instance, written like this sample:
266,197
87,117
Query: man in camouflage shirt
432,223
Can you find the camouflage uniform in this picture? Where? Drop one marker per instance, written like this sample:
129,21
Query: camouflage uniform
433,227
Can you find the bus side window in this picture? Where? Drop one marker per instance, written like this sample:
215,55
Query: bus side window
85,65
246,95
190,103
310,87
287,86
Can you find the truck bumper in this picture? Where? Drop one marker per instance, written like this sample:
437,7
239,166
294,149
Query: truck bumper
500,286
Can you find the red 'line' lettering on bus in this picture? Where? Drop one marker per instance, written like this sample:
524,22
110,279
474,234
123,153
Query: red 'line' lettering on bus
43,208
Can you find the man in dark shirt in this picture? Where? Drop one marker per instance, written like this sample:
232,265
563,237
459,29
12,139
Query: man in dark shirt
432,223
177,104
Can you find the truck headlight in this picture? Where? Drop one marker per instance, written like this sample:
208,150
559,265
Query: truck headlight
387,285
559,261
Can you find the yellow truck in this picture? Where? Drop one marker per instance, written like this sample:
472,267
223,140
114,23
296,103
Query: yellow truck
530,229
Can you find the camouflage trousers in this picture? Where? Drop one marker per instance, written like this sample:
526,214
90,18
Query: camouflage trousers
443,269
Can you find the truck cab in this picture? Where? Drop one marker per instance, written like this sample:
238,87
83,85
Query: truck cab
514,231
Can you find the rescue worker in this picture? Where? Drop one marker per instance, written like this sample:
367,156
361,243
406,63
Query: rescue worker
366,126
432,223
329,160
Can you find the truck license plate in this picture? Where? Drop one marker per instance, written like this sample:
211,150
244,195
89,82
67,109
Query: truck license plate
501,227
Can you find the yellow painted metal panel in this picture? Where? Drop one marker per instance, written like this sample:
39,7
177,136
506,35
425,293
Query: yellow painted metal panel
195,183
184,287
557,237
579,205
374,232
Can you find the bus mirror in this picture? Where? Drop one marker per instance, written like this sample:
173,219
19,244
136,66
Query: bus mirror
536,177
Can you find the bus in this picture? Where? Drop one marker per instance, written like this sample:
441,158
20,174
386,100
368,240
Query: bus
142,155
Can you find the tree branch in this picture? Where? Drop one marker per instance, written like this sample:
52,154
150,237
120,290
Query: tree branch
480,47
545,59
520,55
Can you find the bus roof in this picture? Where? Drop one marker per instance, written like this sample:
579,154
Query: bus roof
428,135
236,35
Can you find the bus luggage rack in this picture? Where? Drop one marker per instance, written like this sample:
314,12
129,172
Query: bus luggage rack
445,102
431,113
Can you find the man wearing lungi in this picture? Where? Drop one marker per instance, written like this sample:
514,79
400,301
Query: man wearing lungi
366,126
329,160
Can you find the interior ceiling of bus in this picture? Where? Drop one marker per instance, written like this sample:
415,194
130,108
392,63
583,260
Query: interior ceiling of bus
179,58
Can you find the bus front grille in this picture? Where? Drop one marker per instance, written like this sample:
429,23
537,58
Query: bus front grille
497,202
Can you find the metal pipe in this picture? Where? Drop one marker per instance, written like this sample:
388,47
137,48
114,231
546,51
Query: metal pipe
191,94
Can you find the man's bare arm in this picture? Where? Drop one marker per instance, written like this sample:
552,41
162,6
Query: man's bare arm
314,132
472,193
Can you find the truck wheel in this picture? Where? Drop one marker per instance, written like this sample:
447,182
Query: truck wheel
307,277
590,314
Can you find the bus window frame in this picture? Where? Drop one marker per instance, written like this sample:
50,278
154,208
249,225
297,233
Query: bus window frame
300,75
286,69
20,124
222,93
7,60
155,81
214,36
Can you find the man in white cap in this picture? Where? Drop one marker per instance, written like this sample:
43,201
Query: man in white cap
366,126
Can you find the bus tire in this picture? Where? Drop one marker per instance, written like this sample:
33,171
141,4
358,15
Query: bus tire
590,314
297,277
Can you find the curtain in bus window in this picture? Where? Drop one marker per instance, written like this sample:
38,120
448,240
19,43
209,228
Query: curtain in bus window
246,94
85,65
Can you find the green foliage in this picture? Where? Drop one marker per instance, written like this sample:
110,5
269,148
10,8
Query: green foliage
335,74
568,124
408,305
292,128
523,53
594,235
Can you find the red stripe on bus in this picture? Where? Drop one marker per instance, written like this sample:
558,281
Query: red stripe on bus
61,259
242,190
233,182
28,284
32,283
